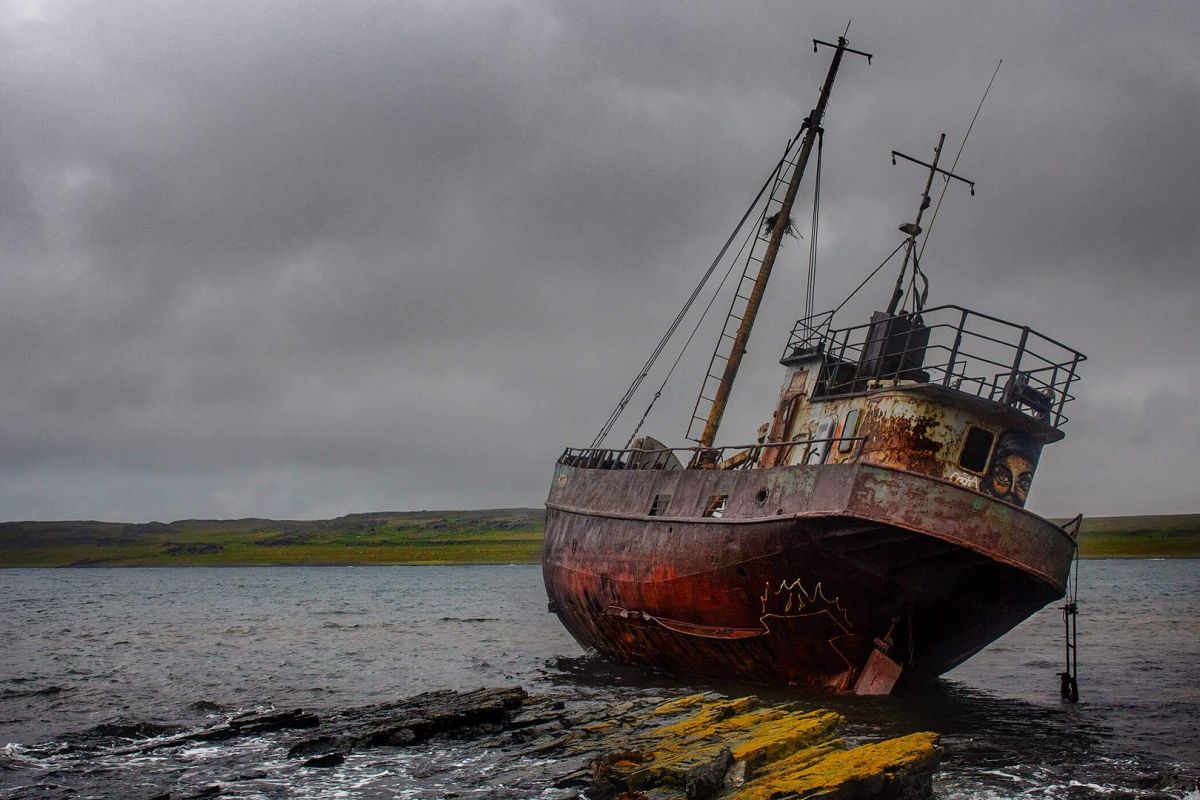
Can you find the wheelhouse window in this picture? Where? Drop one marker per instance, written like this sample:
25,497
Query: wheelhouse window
977,448
716,506
820,446
849,430
659,507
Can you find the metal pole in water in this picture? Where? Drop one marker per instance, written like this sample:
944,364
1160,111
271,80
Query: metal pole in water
1069,677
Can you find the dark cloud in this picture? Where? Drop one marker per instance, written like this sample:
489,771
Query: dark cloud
302,260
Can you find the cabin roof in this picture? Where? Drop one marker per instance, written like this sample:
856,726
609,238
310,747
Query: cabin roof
964,352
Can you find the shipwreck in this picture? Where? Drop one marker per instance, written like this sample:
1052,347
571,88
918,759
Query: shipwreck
874,534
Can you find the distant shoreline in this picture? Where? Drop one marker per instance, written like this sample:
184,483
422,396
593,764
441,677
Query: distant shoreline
366,564
420,538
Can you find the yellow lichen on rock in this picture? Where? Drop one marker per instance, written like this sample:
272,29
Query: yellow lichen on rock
772,751
679,704
880,769
781,737
753,736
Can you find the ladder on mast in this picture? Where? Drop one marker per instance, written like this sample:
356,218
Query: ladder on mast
742,295
731,347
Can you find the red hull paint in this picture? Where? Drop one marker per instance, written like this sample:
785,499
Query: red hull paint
808,567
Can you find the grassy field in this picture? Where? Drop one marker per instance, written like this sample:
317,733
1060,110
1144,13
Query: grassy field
503,536
1153,536
500,536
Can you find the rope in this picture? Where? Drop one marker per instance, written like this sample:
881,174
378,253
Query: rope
646,367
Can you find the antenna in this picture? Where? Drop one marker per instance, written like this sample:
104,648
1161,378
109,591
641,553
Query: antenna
962,146
913,229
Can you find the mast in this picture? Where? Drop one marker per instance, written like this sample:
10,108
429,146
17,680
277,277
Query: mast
812,129
913,229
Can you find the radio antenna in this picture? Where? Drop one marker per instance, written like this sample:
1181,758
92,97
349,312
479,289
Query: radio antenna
946,184
913,229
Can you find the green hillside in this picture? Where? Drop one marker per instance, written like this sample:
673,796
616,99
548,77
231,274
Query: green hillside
1151,536
498,536
501,536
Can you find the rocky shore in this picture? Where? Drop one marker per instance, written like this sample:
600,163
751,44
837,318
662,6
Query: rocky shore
502,743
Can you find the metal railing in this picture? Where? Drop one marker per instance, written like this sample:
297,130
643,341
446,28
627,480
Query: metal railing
745,456
947,345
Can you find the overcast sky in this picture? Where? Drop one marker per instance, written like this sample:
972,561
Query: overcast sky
304,259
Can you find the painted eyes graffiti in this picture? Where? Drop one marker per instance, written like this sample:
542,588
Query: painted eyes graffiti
1002,479
1012,467
1003,484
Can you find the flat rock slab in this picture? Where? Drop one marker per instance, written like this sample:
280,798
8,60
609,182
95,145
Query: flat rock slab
413,720
704,746
505,743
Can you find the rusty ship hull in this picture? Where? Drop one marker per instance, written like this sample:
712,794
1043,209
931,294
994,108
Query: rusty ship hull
833,576
874,532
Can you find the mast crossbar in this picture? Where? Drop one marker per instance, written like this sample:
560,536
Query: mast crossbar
947,173
816,42
913,229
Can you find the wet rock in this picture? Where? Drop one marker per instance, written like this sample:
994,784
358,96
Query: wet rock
706,780
206,707
246,725
129,729
256,775
1172,782
265,723
407,722
702,747
705,747
609,771
319,745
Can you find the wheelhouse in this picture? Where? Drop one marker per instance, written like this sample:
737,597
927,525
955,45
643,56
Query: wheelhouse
948,392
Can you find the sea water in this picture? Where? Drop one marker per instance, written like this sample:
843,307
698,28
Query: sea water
177,646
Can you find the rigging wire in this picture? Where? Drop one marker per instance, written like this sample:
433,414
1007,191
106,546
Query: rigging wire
716,292
967,135
810,291
874,272
924,282
646,367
